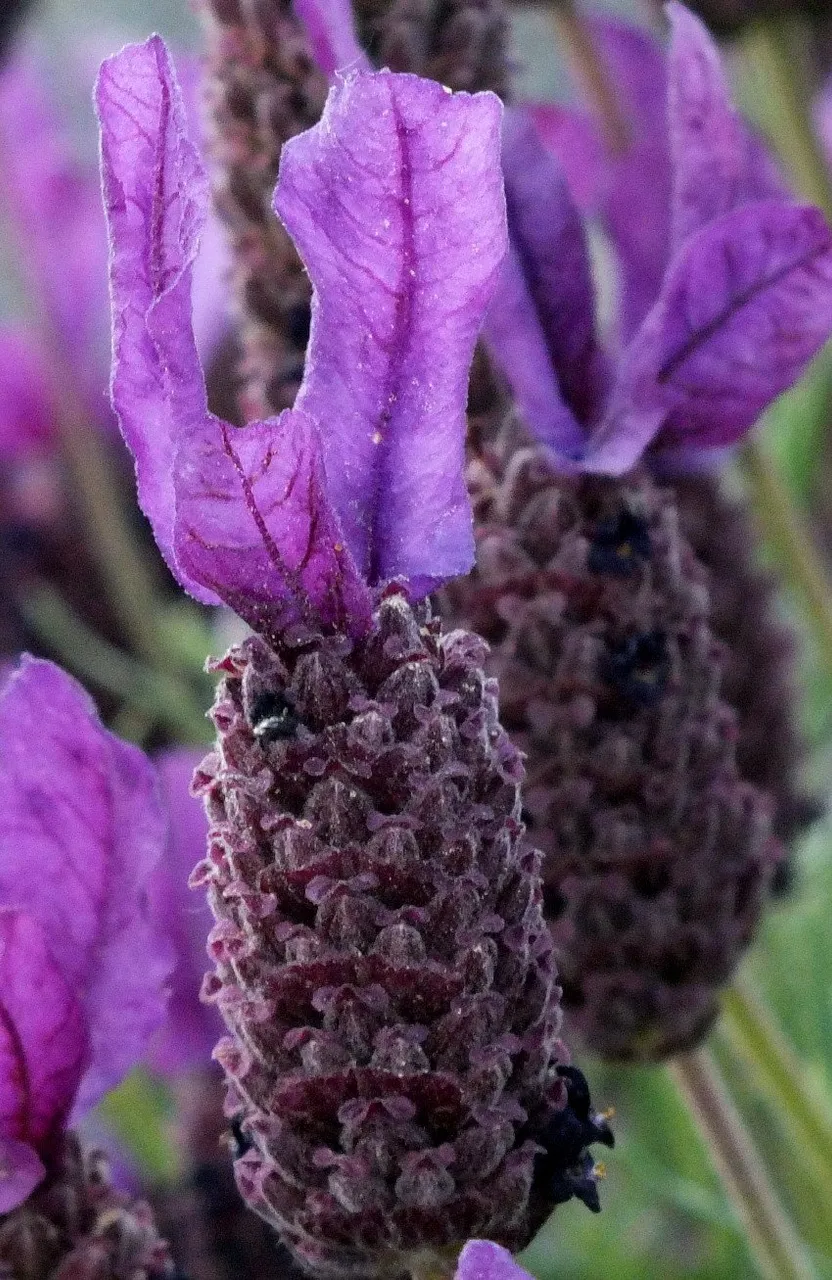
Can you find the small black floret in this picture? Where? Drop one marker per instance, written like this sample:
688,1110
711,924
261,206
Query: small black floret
638,667
619,544
272,717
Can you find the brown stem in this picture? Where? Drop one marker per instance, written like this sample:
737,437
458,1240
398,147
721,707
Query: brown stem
777,1249
587,65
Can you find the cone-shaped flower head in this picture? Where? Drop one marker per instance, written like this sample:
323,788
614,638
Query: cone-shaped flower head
657,855
632,195
83,969
381,959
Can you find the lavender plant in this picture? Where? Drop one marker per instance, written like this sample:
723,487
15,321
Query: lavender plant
381,958
658,853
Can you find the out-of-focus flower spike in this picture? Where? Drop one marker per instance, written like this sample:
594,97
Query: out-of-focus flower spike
403,262
262,88
330,25
464,45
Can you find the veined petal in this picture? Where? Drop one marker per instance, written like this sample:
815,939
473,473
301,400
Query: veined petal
718,163
155,195
83,828
43,1052
482,1260
746,304
395,203
330,25
241,516
254,523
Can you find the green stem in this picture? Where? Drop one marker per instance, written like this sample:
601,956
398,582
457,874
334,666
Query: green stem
161,697
774,71
786,534
124,571
754,1037
776,1247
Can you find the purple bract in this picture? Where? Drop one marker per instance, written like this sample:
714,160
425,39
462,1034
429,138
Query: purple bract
83,966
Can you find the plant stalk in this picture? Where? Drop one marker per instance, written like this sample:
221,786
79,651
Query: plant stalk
577,40
778,1251
753,1036
786,533
769,56
162,698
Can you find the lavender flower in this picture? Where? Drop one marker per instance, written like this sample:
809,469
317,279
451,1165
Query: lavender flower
381,958
596,608
632,195
83,970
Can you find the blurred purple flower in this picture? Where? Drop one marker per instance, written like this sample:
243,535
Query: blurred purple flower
727,282
482,1260
60,362
82,966
192,1029
300,516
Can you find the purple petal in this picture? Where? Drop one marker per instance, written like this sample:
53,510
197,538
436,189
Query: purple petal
155,195
56,208
395,203
547,240
574,138
43,1051
83,829
331,29
632,189
718,163
514,335
746,304
482,1260
192,1028
636,209
212,266
241,516
254,523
